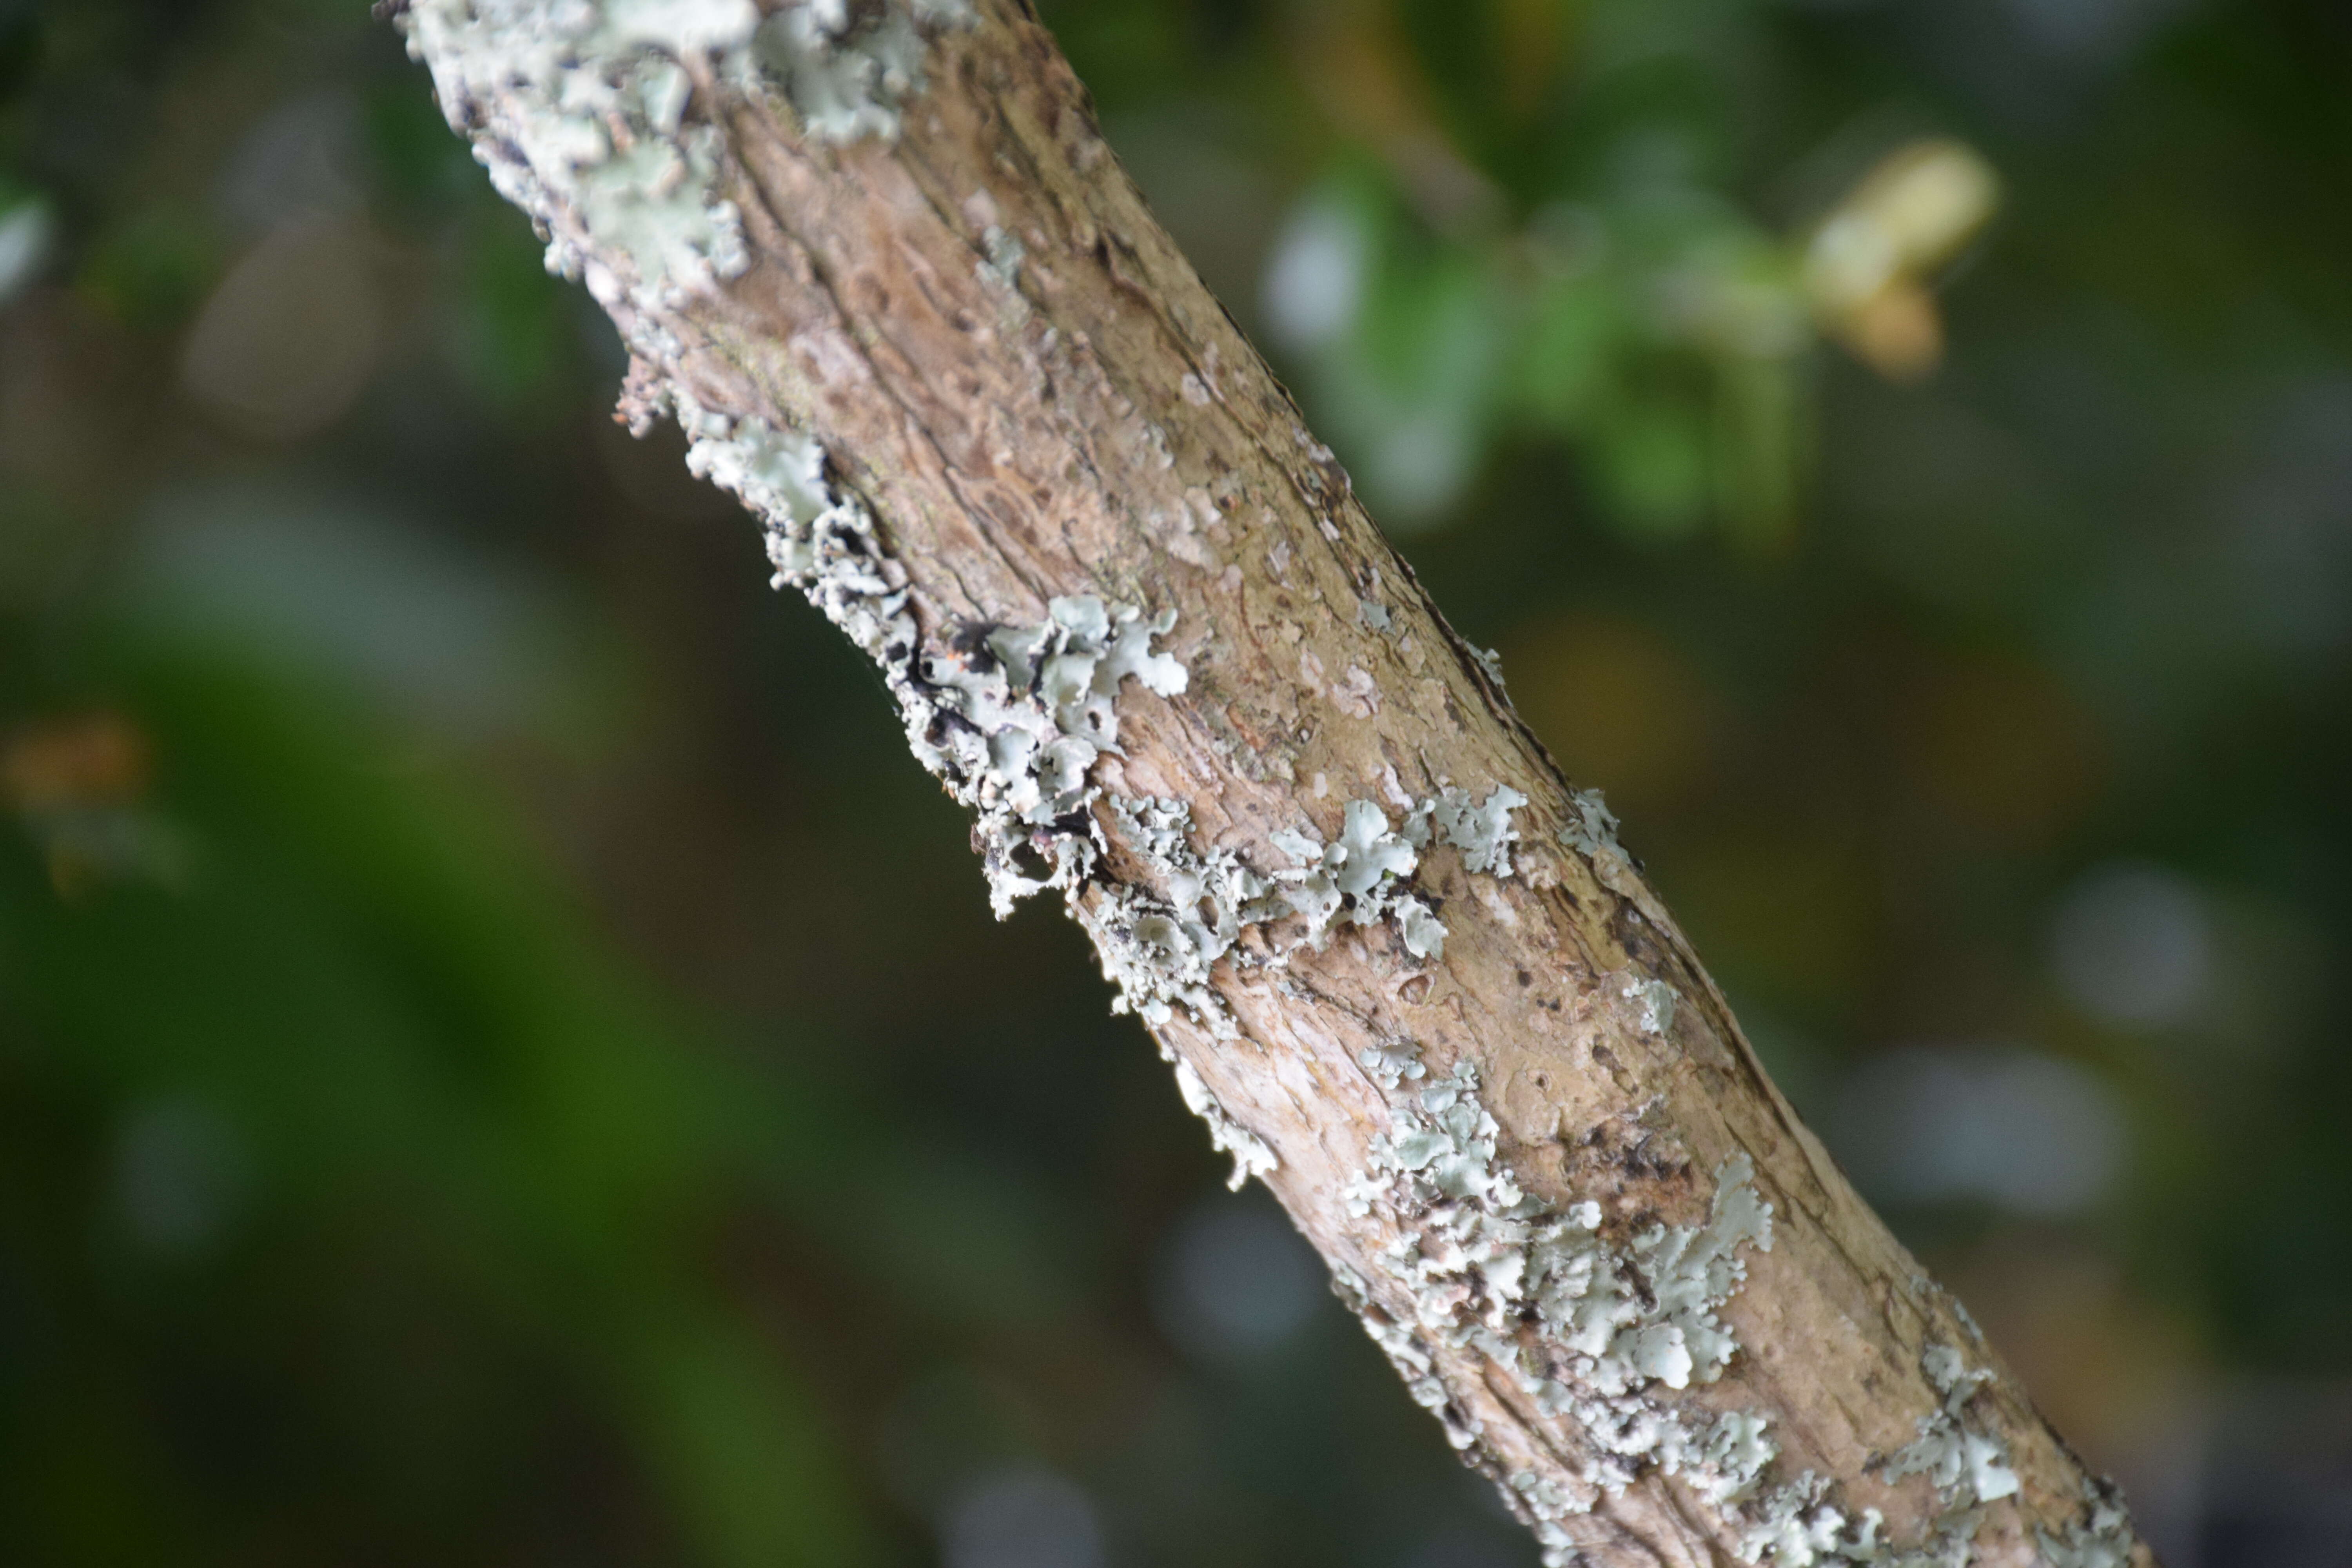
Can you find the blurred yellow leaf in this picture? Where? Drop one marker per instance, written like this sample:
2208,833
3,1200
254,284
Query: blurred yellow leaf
1868,264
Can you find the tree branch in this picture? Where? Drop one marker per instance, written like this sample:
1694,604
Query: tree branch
879,263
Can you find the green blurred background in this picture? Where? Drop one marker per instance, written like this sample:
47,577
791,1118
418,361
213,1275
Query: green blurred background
503,1059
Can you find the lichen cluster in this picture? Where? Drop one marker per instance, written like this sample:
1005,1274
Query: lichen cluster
590,115
1361,876
585,113
2099,1537
1157,945
1583,1325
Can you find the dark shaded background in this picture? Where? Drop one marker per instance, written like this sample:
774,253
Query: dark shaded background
503,1058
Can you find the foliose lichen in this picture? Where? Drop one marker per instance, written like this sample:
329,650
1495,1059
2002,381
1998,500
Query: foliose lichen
1012,719
1966,1465
1585,1326
1654,1002
1797,1527
1360,876
1482,831
1393,1063
2101,1536
1158,950
848,69
1609,1331
583,111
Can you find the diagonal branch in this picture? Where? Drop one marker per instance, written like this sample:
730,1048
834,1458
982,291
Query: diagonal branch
878,262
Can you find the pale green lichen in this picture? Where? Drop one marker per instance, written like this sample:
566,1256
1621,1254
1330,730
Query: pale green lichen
1591,832
819,540
1482,831
1798,1527
1157,948
849,69
1360,876
1966,1465
1607,1333
1654,1002
1012,719
578,111
581,111
1020,716
1586,1328
1393,1063
2100,1537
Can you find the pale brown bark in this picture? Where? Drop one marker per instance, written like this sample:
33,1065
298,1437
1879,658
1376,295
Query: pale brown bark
1090,421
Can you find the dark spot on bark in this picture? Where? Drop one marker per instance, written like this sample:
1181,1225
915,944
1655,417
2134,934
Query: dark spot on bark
1526,979
971,639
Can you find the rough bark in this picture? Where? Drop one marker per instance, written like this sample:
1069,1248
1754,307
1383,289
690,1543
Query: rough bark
885,270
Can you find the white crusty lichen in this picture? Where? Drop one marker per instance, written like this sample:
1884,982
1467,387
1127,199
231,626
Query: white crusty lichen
1481,830
1010,717
1610,1333
584,113
1585,1326
1653,1004
1393,1063
1360,874
1967,1465
1157,948
847,69
2100,1537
